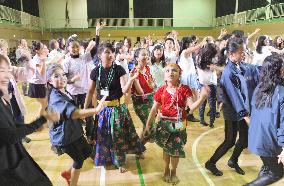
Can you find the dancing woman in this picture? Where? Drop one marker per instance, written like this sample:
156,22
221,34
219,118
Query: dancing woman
116,134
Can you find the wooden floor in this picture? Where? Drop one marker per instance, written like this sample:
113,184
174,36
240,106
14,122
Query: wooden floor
202,142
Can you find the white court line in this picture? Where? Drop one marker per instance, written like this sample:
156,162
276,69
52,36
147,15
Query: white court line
103,175
195,159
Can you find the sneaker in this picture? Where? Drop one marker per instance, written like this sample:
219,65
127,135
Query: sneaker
211,125
67,176
204,124
213,169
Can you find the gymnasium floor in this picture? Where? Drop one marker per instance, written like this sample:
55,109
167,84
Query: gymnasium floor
202,142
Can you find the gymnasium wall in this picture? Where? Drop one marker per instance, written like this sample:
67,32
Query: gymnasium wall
185,13
8,32
55,13
193,13
13,33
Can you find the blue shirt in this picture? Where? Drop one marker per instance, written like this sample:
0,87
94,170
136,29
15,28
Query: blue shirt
235,93
66,130
266,128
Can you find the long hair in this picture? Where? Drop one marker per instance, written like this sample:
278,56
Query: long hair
207,53
277,45
153,58
185,42
260,44
270,77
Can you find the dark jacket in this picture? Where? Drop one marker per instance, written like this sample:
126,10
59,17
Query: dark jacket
66,130
16,165
251,74
235,93
266,128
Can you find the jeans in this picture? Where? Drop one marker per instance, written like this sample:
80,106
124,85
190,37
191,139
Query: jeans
212,104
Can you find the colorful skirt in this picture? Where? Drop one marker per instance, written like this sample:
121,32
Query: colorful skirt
142,106
172,141
116,136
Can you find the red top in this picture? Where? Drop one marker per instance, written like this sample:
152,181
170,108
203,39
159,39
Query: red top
144,81
169,102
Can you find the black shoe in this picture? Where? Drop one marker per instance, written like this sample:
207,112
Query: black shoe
211,125
217,115
265,179
213,169
235,166
190,117
203,123
26,139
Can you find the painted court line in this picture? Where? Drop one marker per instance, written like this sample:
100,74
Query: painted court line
141,177
195,159
103,175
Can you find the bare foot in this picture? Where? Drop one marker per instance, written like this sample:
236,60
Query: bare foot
174,180
140,156
122,169
166,177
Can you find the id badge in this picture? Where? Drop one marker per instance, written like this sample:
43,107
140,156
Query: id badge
104,92
178,125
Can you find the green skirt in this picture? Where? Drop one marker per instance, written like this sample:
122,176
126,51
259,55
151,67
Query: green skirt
142,107
172,141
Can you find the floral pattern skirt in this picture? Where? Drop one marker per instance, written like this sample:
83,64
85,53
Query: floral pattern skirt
142,106
172,141
116,136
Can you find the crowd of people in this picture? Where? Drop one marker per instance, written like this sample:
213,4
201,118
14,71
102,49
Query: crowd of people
91,83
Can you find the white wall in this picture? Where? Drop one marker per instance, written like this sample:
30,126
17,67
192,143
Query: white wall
193,13
53,11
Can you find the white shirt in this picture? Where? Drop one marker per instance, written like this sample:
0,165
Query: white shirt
207,77
187,64
37,78
170,57
259,58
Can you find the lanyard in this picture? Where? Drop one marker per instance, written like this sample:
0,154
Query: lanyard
109,77
174,99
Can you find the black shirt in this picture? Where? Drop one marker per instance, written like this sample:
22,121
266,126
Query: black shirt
115,91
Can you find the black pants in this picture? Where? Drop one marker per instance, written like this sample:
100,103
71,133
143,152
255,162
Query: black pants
272,164
231,130
80,101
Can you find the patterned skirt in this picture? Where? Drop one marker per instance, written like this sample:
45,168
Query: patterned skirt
142,106
116,136
172,141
